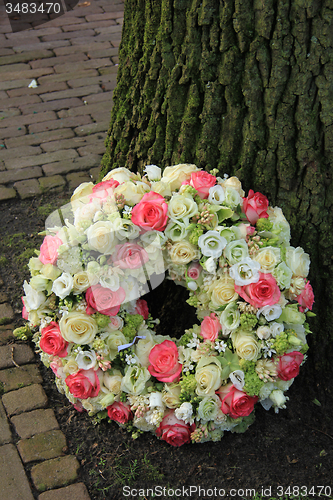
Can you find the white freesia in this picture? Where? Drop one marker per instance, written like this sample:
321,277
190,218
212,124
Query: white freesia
32,299
212,244
153,172
216,195
245,272
63,285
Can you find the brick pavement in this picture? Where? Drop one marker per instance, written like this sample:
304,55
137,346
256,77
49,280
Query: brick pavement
51,137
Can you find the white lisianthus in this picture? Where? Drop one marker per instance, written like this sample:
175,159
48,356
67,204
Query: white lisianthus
210,265
32,299
134,380
236,251
125,229
153,172
86,360
232,198
283,274
212,244
268,258
298,261
230,318
110,281
278,399
216,195
63,285
270,313
185,412
39,282
276,328
176,231
245,272
50,271
209,408
281,227
170,395
112,382
237,377
101,237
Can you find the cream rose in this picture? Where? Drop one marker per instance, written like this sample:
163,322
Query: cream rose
113,382
144,346
113,340
298,261
222,291
71,366
268,258
119,174
162,188
170,395
234,183
81,282
182,207
246,345
81,194
182,252
177,174
132,192
78,327
208,376
101,237
50,271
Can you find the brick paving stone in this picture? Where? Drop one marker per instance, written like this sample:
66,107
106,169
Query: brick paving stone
6,312
59,77
111,85
3,95
91,64
94,98
66,36
109,70
97,148
25,399
64,20
16,101
21,174
25,56
100,17
51,105
14,84
41,45
22,353
27,74
8,154
9,112
72,49
12,132
14,483
111,52
6,336
6,52
55,473
41,63
92,128
28,188
19,121
5,432
74,180
11,68
76,92
75,142
101,116
37,32
42,446
109,30
60,124
80,163
82,110
33,422
41,159
16,378
77,491
7,193
90,25
41,89
40,137
53,182
93,80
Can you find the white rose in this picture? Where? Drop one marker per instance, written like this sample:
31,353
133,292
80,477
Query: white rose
208,376
81,282
170,395
185,412
281,226
71,366
246,345
153,172
277,328
245,272
222,292
32,299
264,332
63,285
155,400
86,212
212,244
144,346
119,174
177,174
298,261
268,258
101,237
113,340
162,188
78,327
182,207
234,183
132,192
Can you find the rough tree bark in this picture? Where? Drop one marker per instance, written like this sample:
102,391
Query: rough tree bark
245,86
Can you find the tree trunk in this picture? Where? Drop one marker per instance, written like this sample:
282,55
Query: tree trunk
245,86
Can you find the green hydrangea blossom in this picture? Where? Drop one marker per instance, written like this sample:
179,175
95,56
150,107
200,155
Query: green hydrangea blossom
244,423
98,344
188,385
101,319
287,340
248,321
253,383
264,225
195,232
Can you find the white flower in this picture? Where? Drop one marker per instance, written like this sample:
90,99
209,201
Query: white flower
264,332
155,400
220,346
127,210
212,244
298,261
216,195
86,360
153,172
245,272
278,399
101,237
270,312
237,377
63,285
130,359
184,412
210,265
33,299
276,328
194,342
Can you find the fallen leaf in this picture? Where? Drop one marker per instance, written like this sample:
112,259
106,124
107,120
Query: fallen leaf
293,461
84,4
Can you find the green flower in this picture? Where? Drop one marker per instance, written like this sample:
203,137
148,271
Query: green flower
134,381
229,363
235,251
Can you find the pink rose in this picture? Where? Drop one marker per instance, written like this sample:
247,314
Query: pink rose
202,181
116,323
103,190
164,364
151,212
194,271
120,412
174,431
141,307
255,206
52,341
25,314
210,327
288,366
263,293
104,300
234,402
129,256
83,384
306,298
49,249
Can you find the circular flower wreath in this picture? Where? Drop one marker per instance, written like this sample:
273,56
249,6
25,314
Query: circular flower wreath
232,252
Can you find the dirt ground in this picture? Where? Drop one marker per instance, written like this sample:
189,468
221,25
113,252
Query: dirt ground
290,449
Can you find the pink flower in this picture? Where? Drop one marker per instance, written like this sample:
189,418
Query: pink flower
83,384
210,327
103,300
263,293
164,364
129,256
194,271
25,314
57,367
151,212
103,190
306,298
52,341
255,206
120,412
174,431
49,249
141,307
288,366
234,402
202,181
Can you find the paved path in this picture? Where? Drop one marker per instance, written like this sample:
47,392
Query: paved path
51,136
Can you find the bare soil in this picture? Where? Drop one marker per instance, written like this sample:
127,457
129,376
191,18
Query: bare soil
292,448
